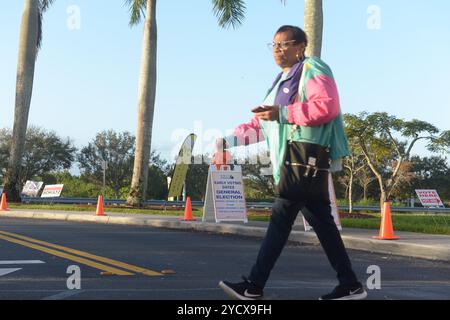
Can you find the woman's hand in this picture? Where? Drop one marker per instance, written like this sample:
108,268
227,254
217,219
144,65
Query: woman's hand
272,113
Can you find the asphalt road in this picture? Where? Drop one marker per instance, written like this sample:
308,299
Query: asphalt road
35,257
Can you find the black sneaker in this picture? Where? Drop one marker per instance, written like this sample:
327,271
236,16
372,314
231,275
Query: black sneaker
245,290
355,292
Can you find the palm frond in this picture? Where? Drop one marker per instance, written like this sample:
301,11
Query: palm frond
137,10
229,12
43,6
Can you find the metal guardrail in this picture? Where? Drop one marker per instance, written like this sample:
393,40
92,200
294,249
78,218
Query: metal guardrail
252,205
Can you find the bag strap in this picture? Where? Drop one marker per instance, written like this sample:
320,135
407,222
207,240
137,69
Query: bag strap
299,97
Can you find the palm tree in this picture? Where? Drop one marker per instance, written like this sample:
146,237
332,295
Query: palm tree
314,27
232,13
229,12
29,44
146,97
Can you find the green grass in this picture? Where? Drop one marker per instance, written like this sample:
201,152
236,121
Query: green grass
118,209
421,223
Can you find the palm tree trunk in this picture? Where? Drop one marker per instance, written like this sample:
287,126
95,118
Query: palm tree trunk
314,27
146,107
24,87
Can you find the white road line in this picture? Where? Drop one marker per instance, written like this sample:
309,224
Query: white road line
21,262
63,295
4,272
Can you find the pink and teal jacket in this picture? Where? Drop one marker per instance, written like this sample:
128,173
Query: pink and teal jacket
309,112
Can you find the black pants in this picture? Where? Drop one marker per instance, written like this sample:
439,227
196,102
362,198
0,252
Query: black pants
318,215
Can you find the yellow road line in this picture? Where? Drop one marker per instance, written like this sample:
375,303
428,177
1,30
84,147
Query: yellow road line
116,263
67,256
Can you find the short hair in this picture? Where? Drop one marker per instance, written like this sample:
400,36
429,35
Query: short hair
297,34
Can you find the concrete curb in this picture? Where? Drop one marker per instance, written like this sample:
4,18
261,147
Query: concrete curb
365,243
399,248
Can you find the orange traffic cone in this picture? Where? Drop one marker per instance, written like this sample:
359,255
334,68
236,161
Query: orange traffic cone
188,211
100,206
3,203
386,228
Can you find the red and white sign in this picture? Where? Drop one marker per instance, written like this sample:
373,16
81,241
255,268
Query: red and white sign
31,188
52,191
429,198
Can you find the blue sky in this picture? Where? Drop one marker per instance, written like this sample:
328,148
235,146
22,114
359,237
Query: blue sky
209,78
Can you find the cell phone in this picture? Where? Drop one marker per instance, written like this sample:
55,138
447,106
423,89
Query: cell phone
260,109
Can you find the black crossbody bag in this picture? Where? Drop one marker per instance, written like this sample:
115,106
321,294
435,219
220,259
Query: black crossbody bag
304,172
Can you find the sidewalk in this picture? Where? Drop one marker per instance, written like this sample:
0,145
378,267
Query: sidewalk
417,245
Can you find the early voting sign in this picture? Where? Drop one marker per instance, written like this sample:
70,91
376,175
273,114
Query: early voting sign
225,199
429,198
52,191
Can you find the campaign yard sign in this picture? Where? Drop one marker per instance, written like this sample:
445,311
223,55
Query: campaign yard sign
429,198
52,191
225,200
32,188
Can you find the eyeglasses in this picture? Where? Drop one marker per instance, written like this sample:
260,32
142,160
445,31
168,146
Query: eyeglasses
282,45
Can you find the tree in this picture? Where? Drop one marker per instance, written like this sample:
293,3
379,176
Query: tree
357,172
260,182
403,187
314,27
364,178
229,12
375,134
197,177
432,173
353,164
232,13
117,149
29,44
5,146
146,97
157,177
74,186
44,152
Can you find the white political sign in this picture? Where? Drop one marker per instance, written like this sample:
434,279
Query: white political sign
429,198
32,188
225,200
52,191
333,204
